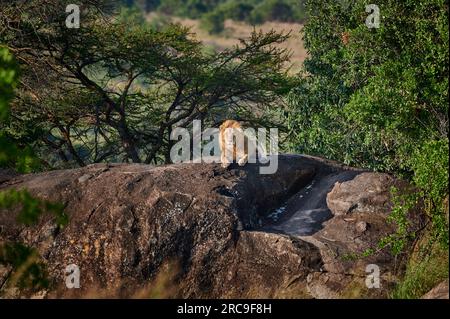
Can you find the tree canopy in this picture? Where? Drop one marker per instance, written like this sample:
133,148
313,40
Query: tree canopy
113,89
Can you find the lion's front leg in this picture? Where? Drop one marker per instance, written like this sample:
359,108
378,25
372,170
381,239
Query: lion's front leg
243,160
224,161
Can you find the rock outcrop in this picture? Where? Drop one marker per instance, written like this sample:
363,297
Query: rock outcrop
438,292
360,208
127,221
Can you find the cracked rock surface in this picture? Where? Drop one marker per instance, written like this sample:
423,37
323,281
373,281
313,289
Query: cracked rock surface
127,221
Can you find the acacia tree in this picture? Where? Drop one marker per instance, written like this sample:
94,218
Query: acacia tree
115,88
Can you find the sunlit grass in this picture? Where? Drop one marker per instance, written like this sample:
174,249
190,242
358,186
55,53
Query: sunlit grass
423,273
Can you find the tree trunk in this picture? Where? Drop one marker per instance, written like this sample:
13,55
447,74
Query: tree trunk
127,141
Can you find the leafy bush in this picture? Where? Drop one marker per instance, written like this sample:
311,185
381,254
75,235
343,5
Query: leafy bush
378,98
132,15
31,208
430,166
8,80
427,267
28,271
19,157
191,8
276,10
213,22
237,10
367,96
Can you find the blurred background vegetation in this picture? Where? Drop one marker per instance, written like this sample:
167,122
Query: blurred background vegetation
213,13
114,89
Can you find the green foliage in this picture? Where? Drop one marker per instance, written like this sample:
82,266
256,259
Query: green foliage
190,8
28,272
278,10
432,176
423,272
430,166
431,181
27,269
403,204
213,13
213,22
378,98
254,12
119,101
132,15
236,10
22,159
12,155
371,99
31,208
8,80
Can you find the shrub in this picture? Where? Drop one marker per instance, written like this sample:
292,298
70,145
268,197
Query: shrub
213,22
378,98
27,270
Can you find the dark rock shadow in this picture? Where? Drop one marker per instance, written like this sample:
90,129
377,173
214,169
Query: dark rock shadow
304,213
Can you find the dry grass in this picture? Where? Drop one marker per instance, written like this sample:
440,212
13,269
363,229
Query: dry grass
163,286
237,30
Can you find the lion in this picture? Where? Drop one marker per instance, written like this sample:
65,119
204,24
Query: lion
233,143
